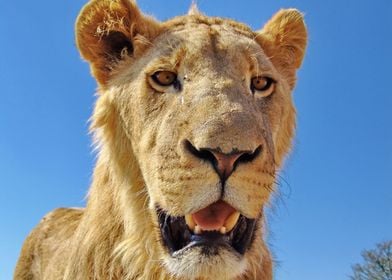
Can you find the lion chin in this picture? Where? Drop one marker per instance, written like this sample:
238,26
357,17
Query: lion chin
192,122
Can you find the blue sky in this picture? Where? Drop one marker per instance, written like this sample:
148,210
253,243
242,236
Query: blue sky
335,198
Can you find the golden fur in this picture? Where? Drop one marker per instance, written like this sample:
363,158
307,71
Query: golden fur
140,132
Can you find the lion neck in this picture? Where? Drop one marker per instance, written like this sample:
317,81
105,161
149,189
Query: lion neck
117,215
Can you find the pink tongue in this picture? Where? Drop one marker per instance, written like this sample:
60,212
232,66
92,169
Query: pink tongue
214,216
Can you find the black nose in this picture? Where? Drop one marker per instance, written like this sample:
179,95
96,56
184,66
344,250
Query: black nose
224,164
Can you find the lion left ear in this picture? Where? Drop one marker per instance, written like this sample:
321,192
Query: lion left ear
284,39
107,31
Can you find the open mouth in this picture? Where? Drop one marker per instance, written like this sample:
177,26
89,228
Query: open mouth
219,224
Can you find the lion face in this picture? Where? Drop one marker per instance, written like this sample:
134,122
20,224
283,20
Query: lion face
204,137
206,108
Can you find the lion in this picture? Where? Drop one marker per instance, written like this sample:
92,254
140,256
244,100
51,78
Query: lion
192,122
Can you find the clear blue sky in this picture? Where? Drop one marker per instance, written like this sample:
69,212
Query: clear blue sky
336,196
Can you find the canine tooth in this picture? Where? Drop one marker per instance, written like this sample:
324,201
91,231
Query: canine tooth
190,222
232,220
197,229
222,230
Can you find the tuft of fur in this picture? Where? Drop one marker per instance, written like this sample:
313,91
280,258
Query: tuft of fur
194,10
139,131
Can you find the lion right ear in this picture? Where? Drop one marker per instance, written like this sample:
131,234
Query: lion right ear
284,39
107,31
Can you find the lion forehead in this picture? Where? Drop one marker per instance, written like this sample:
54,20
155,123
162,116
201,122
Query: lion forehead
207,50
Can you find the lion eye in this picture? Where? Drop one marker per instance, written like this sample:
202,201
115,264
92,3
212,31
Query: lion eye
263,85
164,78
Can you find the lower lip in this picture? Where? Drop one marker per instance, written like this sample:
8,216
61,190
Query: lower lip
205,244
210,238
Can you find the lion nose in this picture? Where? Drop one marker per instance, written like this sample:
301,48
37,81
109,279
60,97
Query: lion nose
224,164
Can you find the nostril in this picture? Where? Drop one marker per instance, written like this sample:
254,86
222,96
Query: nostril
249,156
204,154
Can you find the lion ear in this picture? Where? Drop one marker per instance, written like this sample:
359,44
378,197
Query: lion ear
284,39
107,31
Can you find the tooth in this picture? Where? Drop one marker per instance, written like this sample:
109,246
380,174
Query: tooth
197,229
232,220
190,222
222,230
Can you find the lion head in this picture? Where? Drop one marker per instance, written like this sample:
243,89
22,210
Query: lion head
193,119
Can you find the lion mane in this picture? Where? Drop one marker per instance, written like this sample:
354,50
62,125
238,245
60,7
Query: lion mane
192,122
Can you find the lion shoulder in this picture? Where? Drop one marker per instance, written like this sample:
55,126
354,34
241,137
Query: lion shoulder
43,241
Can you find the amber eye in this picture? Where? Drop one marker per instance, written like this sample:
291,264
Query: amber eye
164,78
263,85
